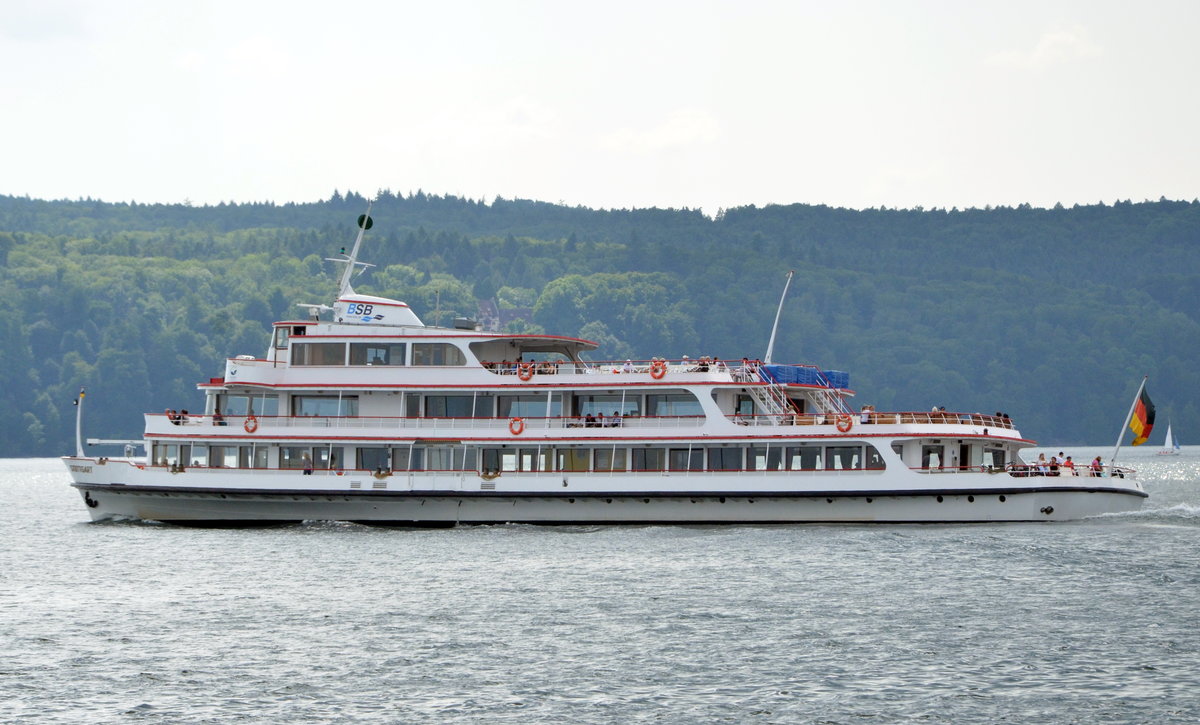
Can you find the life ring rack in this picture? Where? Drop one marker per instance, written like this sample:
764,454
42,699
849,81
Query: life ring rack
658,369
844,423
250,424
516,426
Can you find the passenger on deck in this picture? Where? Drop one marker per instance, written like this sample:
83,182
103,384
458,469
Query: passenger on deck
589,421
1097,466
306,464
627,367
615,420
217,418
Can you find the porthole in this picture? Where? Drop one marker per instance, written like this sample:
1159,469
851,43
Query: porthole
870,500
939,499
1003,499
722,499
828,500
971,499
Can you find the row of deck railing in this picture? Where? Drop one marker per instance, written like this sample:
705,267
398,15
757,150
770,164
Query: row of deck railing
844,422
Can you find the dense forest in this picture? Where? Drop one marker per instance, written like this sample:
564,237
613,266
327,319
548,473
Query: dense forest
1050,315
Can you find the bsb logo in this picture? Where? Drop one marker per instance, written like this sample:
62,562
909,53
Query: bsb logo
363,310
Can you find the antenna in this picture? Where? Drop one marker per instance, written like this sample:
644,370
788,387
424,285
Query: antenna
775,327
364,223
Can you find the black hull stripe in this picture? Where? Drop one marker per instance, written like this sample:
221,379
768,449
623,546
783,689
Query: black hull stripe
661,495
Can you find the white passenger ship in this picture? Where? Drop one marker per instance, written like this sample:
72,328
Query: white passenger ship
363,413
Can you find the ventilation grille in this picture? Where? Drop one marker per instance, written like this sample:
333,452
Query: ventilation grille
356,484
488,486
379,484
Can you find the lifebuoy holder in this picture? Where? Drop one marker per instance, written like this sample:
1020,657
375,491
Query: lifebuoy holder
526,371
844,423
658,369
516,426
250,424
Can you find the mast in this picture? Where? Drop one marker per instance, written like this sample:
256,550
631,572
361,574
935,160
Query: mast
1137,396
778,311
79,424
364,223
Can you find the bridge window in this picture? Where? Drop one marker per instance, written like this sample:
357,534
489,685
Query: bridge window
377,353
319,353
437,353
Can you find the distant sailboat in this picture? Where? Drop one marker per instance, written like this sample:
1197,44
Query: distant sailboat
1170,445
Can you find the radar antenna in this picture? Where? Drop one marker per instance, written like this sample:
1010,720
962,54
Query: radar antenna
351,261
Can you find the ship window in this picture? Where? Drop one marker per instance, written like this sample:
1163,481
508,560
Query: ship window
766,459
683,459
608,404
166,454
663,405
408,458
199,455
874,460
223,456
437,353
531,459
377,353
843,458
327,457
725,459
245,456
573,459
491,460
994,457
933,456
281,338
449,406
324,406
745,405
319,353
608,459
242,404
649,459
804,458
260,456
372,459
529,406
289,456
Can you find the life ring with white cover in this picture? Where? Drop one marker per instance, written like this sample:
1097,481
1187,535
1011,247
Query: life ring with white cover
526,371
658,369
844,423
489,475
516,426
250,424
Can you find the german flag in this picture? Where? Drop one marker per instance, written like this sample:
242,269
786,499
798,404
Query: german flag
1142,420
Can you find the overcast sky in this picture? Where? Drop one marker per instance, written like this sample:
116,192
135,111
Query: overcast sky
616,104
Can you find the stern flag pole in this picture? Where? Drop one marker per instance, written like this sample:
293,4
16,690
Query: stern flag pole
79,425
775,327
1137,396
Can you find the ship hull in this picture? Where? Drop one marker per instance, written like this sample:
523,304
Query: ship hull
448,508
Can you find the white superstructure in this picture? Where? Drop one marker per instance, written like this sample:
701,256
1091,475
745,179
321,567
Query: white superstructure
363,413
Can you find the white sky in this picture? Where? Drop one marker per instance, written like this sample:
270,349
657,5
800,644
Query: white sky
615,104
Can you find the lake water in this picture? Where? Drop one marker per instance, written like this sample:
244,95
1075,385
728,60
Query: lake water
1086,622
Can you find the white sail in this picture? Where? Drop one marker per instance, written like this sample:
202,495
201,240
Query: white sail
1170,445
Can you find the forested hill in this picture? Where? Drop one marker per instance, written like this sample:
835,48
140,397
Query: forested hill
1050,315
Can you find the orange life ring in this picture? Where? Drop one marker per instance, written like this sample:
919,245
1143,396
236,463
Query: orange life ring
516,426
658,369
526,371
250,424
844,423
